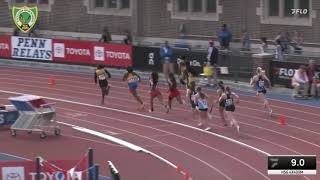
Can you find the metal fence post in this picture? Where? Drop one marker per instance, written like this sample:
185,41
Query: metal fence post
90,163
38,168
96,167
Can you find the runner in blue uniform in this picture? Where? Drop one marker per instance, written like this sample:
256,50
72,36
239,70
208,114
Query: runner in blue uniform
101,74
133,78
202,107
228,98
258,82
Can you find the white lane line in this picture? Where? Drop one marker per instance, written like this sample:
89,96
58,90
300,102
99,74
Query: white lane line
126,144
157,105
150,117
155,155
114,81
173,134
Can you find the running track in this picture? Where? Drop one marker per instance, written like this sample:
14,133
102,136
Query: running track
204,155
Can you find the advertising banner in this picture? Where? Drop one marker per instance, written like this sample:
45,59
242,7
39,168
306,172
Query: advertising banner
117,55
146,58
31,48
51,170
5,46
282,72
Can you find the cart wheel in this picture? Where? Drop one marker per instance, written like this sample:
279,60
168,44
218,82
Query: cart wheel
13,133
57,131
29,132
43,135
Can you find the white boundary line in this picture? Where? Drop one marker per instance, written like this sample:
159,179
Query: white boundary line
151,117
241,92
18,157
122,143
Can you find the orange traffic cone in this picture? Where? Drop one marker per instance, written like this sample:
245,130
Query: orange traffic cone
51,81
178,170
186,176
282,120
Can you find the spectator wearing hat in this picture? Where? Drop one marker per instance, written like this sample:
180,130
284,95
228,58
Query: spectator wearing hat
300,82
166,59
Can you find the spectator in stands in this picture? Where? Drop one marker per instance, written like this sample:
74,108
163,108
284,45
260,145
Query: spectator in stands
212,58
315,87
128,38
311,72
2,107
283,40
264,45
300,82
166,59
279,51
297,41
225,37
106,36
245,39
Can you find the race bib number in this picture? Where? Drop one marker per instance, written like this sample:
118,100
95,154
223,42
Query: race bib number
203,104
133,79
1,119
261,83
229,102
102,77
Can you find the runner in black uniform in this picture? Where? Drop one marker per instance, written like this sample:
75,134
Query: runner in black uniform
101,75
258,82
229,105
191,93
220,91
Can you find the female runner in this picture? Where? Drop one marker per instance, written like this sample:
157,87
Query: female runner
173,91
258,82
202,107
101,74
154,91
133,78
228,99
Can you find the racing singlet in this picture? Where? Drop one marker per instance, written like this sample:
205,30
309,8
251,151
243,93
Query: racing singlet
132,78
229,101
202,104
260,85
101,74
192,95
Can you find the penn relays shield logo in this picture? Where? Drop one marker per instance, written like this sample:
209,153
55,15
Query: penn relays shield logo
24,17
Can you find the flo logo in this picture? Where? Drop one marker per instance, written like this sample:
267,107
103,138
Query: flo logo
24,17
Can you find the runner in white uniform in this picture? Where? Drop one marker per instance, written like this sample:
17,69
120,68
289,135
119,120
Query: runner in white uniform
202,107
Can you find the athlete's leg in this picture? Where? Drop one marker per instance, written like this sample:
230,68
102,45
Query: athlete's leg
136,96
151,103
222,115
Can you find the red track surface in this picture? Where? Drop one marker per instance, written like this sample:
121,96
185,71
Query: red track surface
205,156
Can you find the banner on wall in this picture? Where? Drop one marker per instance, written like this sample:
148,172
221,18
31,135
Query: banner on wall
147,58
31,48
117,55
52,170
282,72
5,46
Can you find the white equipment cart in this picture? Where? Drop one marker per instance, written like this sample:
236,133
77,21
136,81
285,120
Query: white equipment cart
35,116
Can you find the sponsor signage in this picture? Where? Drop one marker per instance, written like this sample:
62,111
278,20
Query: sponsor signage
117,55
25,170
146,58
282,72
5,46
31,48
